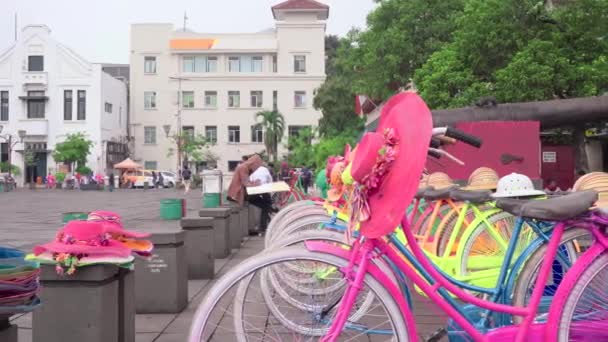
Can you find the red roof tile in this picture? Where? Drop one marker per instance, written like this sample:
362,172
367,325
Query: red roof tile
300,4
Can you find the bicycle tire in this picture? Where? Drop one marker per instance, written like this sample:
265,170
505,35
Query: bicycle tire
203,327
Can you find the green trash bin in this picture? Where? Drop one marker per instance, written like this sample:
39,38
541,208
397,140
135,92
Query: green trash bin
171,209
211,200
74,216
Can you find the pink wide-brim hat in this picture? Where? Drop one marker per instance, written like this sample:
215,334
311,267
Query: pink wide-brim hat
411,121
89,237
112,223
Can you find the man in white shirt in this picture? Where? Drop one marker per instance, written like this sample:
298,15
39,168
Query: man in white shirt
262,175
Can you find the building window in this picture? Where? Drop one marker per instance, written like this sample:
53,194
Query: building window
108,107
211,64
294,131
234,64
150,100
257,134
188,130
256,98
257,63
211,134
150,165
275,100
150,65
299,63
188,64
300,99
35,105
150,135
234,134
234,99
67,104
4,105
82,105
211,99
187,99
35,63
274,63
3,152
232,164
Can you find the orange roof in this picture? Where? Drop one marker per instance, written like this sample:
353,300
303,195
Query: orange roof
191,44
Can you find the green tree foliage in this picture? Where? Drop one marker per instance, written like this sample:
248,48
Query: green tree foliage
520,50
15,170
273,123
401,35
301,153
74,149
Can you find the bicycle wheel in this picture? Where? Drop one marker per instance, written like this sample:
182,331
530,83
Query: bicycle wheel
305,223
446,230
292,216
573,243
220,317
286,211
485,248
584,315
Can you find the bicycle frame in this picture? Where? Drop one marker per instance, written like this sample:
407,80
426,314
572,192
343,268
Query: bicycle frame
439,286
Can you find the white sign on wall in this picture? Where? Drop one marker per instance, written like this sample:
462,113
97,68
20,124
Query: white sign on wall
549,157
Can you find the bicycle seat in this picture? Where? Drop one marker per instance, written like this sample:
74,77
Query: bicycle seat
552,209
479,196
434,195
420,193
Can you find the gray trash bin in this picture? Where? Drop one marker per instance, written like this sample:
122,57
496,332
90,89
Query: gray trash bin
8,331
199,241
97,304
161,283
221,231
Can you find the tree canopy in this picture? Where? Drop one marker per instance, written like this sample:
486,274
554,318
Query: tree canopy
75,149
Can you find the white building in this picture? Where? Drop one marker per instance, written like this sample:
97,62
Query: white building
49,91
225,79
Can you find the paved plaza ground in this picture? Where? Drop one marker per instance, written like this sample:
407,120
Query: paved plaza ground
32,217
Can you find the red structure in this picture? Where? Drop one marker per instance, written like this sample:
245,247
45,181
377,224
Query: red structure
508,146
558,164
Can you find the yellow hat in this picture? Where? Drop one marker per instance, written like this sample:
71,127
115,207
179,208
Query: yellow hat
440,180
597,181
482,178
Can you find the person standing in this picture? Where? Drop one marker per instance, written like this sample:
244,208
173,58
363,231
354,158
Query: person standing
161,180
154,180
186,174
111,181
306,178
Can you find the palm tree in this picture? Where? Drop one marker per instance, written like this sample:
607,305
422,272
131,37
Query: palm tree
273,123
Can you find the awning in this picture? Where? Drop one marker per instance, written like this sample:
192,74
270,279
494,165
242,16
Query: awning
127,164
25,98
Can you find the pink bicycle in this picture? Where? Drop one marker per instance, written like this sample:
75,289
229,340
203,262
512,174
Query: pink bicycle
325,292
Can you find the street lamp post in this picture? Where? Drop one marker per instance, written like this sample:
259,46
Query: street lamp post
179,123
9,139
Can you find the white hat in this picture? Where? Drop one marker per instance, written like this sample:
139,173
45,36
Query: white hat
516,185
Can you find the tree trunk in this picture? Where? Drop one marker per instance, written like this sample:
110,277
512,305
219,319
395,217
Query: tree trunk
580,152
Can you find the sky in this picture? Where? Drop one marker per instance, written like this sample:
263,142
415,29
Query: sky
98,30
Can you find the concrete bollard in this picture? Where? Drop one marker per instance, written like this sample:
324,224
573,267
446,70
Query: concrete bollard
254,218
8,331
161,283
244,220
234,226
221,231
97,304
199,241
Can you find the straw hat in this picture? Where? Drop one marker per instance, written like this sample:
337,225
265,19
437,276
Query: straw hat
440,180
424,181
597,181
482,178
